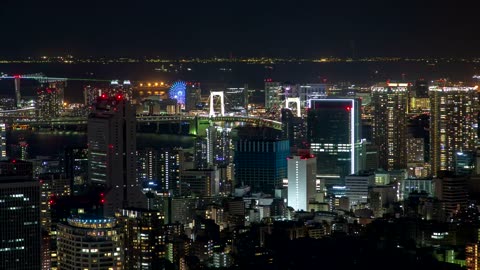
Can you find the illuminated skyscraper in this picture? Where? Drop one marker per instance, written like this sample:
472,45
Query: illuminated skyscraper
91,93
201,182
52,187
20,235
453,124
143,238
236,99
260,159
333,133
160,167
112,153
48,103
89,242
389,101
273,91
3,142
312,91
193,96
76,167
294,129
302,172
418,98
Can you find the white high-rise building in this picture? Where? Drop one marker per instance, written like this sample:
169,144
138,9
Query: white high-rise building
357,187
302,172
3,142
312,91
112,153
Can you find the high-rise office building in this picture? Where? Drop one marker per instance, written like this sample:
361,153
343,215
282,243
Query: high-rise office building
418,98
312,91
147,160
302,170
465,163
53,186
3,142
260,159
389,102
193,98
18,151
453,124
273,93
112,153
89,242
20,233
91,93
472,256
215,149
201,152
452,190
294,129
76,167
143,238
357,187
48,103
201,182
236,99
160,167
416,158
219,146
333,133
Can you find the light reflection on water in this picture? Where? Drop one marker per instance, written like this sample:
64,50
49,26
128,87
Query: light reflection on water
51,143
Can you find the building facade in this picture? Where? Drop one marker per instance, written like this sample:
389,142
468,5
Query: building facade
261,163
453,124
20,230
89,243
143,238
112,153
302,171
333,134
389,102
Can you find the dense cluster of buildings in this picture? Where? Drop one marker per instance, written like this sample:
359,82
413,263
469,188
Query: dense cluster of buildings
396,160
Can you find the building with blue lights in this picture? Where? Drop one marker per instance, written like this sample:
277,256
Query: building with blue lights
260,160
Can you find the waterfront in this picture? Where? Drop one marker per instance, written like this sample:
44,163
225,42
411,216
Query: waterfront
46,143
215,76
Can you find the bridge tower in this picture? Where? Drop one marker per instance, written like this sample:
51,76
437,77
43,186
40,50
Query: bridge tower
17,90
295,100
222,103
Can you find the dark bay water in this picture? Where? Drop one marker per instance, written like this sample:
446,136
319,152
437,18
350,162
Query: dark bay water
53,143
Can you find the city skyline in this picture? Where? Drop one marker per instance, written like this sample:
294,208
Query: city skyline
272,135
267,28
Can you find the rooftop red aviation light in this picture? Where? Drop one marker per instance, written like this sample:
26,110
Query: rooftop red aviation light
348,108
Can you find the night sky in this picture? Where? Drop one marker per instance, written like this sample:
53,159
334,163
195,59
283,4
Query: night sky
238,28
